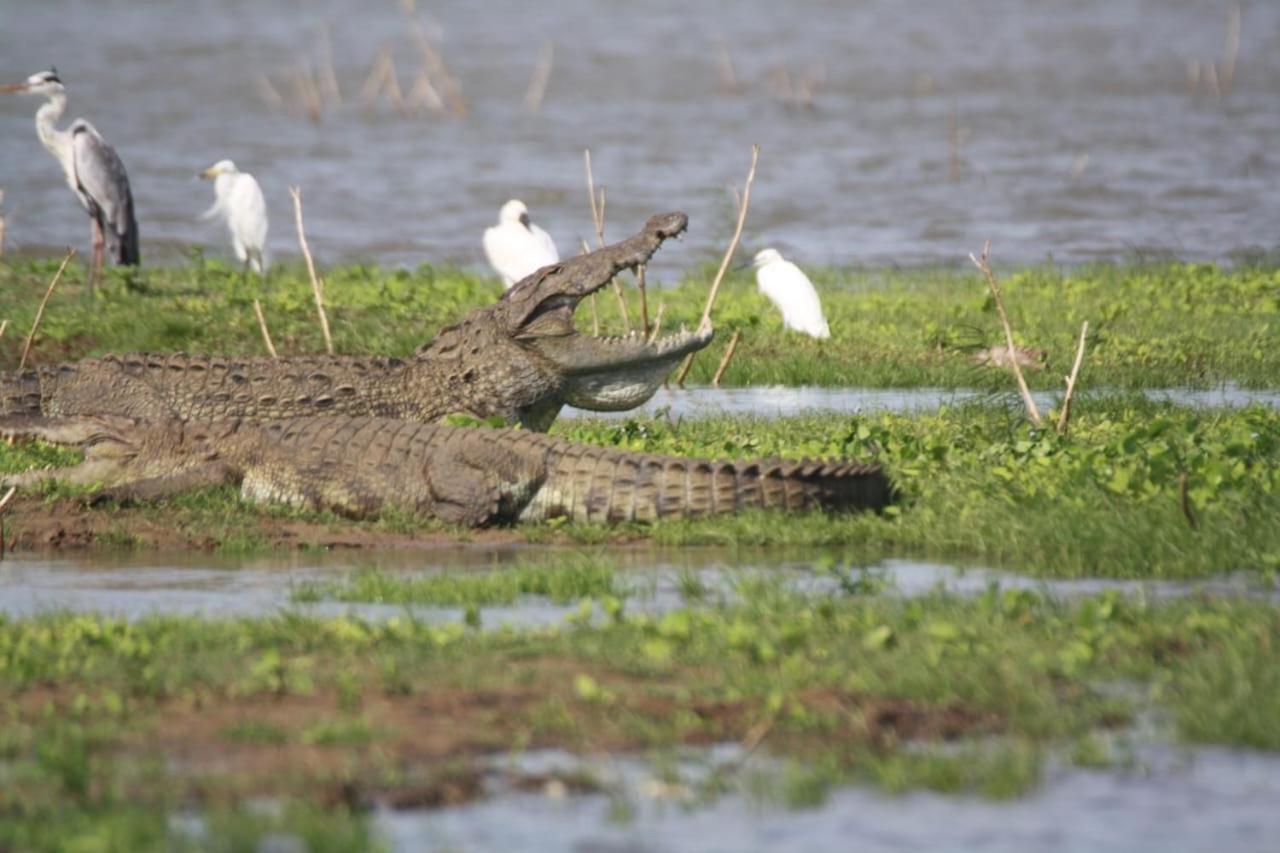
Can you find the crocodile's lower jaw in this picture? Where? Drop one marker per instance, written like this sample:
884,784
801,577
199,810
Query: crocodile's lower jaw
613,374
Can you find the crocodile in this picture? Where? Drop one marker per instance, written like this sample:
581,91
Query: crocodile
520,359
361,467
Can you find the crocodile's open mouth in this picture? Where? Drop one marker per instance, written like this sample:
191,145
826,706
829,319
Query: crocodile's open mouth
613,373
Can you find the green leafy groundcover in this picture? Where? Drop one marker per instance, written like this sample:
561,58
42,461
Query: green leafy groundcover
1152,325
837,686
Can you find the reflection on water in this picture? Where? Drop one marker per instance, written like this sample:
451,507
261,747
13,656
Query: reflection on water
1061,130
780,400
1210,800
145,584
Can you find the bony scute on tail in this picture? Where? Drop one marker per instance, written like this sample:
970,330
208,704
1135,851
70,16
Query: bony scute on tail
363,467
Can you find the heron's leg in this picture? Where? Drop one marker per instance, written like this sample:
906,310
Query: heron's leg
99,241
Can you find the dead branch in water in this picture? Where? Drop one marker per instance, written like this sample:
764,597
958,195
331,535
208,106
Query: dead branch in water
35,325
541,76
726,261
1065,415
728,356
317,285
262,327
981,263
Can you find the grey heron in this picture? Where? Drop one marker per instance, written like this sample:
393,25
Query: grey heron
239,202
93,171
515,246
788,288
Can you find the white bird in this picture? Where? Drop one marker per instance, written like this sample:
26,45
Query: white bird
790,290
93,171
238,200
515,246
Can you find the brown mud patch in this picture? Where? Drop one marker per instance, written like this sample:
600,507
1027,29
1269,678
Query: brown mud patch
35,524
434,746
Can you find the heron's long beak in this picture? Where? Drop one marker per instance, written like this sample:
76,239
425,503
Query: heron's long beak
15,87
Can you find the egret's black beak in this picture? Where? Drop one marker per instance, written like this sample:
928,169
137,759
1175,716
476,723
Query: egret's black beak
524,220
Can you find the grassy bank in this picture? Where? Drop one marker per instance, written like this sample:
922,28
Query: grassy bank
1152,325
1136,489
110,726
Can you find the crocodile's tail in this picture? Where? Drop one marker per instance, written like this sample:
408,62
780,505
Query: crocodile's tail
587,483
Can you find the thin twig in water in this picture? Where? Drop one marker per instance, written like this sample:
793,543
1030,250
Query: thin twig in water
317,285
26,348
983,265
1065,416
728,259
537,90
1232,52
1185,498
262,327
728,356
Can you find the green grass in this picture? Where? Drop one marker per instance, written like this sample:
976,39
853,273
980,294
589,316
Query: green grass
840,687
1152,325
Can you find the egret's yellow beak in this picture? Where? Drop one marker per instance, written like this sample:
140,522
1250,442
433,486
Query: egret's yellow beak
211,172
15,87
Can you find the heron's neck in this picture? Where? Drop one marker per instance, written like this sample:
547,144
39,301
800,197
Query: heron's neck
46,121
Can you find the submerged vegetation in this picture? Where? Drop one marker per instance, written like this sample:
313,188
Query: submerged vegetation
1152,325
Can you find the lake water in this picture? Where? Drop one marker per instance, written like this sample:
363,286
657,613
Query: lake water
1076,135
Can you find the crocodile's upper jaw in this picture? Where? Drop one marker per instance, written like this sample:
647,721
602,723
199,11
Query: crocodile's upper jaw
610,374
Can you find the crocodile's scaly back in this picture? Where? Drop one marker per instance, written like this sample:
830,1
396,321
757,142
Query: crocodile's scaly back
520,359
361,467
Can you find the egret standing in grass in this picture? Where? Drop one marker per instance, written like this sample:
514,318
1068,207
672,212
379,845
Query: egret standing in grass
93,171
515,246
238,200
790,290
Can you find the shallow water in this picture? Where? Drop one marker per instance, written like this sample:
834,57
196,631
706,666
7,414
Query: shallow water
1077,136
201,585
779,400
1205,799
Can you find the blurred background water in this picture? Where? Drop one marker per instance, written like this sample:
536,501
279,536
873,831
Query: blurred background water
893,133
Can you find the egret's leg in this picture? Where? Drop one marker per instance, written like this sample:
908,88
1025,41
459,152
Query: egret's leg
95,260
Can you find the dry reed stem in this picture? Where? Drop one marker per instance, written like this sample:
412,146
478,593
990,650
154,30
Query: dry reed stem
262,327
269,93
597,217
983,265
4,509
724,263
308,91
1065,416
35,325
728,356
317,285
424,93
657,321
727,76
433,62
953,142
329,87
1185,499
1193,76
541,76
375,81
644,300
595,308
1231,54
4,324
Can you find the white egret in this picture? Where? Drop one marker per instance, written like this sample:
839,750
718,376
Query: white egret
790,290
239,202
93,171
515,246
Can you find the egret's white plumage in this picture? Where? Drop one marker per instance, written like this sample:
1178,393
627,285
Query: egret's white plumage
515,246
790,290
239,202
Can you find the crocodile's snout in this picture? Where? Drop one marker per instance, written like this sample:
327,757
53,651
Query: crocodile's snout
667,224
